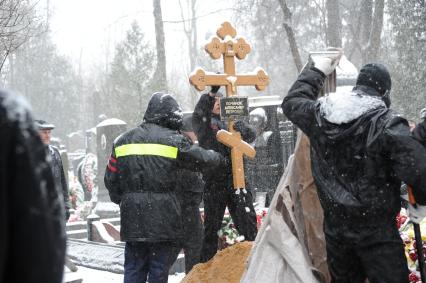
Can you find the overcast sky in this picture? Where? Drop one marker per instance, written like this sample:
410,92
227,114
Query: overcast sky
86,29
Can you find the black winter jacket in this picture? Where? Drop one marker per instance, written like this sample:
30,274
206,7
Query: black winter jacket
59,177
32,230
360,152
206,125
141,174
419,132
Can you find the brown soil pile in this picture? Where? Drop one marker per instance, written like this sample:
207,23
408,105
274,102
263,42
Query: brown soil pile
227,266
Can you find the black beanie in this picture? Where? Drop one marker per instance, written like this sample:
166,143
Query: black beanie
376,76
187,124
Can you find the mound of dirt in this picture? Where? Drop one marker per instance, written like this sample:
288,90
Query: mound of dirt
227,266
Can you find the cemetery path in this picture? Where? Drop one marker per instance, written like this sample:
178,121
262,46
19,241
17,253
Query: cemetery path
95,276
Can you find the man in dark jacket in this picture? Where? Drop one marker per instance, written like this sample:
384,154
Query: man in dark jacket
360,152
32,231
141,178
218,190
45,132
189,190
419,132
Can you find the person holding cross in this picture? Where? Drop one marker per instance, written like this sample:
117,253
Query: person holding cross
218,191
360,152
419,132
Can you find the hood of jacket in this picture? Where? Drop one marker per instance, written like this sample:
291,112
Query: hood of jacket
345,113
164,110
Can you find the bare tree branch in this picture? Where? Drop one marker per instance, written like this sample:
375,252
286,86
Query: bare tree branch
290,35
373,45
18,23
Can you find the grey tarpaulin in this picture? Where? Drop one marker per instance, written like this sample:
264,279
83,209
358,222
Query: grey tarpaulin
290,245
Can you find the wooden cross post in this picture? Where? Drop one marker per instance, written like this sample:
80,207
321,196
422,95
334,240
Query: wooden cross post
226,45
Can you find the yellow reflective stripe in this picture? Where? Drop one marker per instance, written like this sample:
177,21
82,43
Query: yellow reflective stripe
146,149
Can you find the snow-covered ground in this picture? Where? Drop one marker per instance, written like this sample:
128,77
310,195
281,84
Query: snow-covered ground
95,276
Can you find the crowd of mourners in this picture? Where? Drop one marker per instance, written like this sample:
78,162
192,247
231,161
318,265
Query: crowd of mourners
160,171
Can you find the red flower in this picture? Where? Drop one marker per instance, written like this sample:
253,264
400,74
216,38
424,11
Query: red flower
259,221
412,255
400,219
413,277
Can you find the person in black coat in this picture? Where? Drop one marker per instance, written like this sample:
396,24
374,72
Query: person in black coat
360,152
141,177
419,132
32,228
218,190
189,191
45,132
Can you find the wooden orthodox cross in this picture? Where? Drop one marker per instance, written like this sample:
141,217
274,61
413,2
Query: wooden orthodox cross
228,46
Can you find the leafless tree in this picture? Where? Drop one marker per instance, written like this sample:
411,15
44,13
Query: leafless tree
18,23
189,23
160,76
368,29
334,24
290,35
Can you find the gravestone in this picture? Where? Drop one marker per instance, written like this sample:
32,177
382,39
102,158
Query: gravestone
106,132
265,170
75,141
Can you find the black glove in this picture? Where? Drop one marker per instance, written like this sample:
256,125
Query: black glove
239,126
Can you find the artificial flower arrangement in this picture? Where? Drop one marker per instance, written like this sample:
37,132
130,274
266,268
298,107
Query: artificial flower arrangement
228,234
407,235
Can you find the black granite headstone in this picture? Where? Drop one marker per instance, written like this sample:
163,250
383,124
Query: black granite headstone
106,132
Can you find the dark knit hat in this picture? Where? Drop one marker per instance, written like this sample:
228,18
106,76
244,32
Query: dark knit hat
375,75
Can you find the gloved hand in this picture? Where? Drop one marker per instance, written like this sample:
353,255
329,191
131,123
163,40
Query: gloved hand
417,213
327,63
239,126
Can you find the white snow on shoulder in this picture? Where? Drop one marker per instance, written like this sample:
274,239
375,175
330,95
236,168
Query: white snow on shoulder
345,106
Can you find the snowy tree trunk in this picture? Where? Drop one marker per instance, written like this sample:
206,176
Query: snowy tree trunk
334,24
373,47
160,76
190,29
290,34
